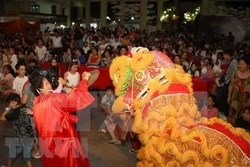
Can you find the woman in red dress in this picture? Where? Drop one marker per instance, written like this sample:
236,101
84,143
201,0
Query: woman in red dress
94,57
59,141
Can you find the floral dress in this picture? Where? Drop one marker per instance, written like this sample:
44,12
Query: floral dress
240,97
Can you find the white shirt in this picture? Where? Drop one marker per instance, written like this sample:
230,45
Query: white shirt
57,41
41,52
18,84
108,100
85,49
72,80
14,61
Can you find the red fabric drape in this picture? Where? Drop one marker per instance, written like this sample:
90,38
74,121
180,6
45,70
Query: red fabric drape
19,25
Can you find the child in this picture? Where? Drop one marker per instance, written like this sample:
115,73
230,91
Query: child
72,77
210,74
193,71
210,110
20,80
244,121
16,114
108,100
12,58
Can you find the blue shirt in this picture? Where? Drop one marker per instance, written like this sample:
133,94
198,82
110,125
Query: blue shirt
82,59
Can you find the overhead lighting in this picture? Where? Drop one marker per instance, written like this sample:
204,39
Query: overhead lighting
73,23
132,18
62,26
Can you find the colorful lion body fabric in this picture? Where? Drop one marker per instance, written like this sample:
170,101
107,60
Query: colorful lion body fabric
160,97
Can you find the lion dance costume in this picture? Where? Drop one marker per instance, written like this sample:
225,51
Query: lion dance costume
159,95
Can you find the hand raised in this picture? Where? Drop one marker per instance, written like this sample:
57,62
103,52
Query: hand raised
85,75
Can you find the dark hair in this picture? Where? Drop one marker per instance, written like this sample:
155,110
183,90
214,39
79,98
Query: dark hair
31,69
18,65
246,59
14,97
229,51
72,63
53,58
96,49
209,59
123,47
210,64
177,56
33,61
214,98
109,88
54,70
107,50
36,80
10,69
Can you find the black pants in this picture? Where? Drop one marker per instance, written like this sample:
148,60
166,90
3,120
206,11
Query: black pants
222,100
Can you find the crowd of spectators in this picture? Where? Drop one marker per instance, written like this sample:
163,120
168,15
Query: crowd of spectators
216,58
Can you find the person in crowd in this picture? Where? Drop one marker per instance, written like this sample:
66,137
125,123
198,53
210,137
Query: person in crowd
20,79
72,77
94,57
5,56
54,122
86,47
177,60
57,44
106,58
16,114
244,120
232,66
41,51
12,58
31,56
193,71
184,60
204,65
108,100
6,83
28,97
81,59
78,34
20,57
239,90
210,109
123,50
54,67
210,74
67,57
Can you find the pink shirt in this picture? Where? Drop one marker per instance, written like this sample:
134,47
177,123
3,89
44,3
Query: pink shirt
209,75
209,113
